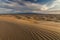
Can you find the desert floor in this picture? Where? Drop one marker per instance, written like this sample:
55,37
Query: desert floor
12,28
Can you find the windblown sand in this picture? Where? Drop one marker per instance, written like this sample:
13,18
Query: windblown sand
18,29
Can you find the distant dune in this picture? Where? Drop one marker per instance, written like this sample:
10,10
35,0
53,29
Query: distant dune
29,27
37,17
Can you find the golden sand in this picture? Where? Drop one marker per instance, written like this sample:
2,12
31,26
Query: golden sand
12,28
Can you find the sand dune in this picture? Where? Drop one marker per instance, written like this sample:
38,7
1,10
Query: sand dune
12,28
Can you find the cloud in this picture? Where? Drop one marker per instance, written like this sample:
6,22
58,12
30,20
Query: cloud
27,6
55,5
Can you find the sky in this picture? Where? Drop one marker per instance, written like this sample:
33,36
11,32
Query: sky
28,6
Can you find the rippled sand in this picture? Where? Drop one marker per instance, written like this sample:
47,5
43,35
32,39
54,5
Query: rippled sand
15,29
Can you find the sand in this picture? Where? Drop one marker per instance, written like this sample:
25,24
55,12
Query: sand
18,29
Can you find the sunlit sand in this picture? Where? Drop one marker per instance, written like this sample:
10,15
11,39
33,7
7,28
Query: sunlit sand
12,28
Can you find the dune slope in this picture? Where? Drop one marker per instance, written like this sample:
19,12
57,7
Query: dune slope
18,29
